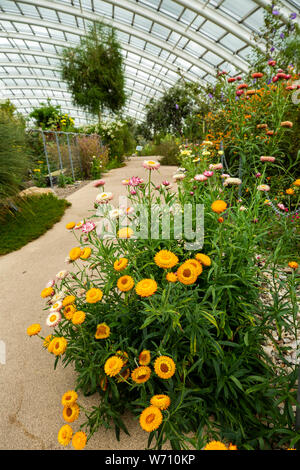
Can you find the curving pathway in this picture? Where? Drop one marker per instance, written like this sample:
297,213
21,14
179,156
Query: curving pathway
30,390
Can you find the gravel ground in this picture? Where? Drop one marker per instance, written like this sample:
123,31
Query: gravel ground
69,189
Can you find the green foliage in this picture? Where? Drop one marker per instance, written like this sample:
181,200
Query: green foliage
94,71
225,386
14,153
35,215
167,148
277,40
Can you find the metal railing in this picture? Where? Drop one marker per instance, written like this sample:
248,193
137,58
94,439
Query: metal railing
61,156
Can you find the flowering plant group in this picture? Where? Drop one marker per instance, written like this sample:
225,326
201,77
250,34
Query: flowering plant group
174,336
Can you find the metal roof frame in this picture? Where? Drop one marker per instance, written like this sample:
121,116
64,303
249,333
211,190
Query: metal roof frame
163,40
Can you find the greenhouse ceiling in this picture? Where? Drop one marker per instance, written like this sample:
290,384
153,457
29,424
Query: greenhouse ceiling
161,40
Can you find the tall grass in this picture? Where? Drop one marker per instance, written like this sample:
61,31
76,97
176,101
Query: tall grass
14,159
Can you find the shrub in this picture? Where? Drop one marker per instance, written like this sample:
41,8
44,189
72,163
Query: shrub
14,158
156,317
91,149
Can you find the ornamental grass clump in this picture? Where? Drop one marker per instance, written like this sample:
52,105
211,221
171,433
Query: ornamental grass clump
173,335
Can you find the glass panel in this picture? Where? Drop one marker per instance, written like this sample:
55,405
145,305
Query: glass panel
142,23
212,30
28,10
238,9
232,42
212,58
123,15
171,8
9,6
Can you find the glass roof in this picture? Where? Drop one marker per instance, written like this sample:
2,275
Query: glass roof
160,39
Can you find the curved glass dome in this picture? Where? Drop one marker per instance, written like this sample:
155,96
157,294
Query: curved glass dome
160,39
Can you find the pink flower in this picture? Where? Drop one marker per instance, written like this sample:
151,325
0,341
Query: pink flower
166,183
125,182
50,283
88,227
217,166
135,181
258,175
281,206
224,175
151,165
267,159
98,183
208,173
200,178
133,192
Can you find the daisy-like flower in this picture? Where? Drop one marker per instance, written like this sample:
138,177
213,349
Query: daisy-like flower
78,317
79,440
293,265
232,181
141,374
146,287
34,329
71,412
187,274
104,197
86,253
219,206
166,259
65,435
125,232
75,253
179,176
125,283
151,418
288,124
98,183
113,366
171,277
120,264
102,331
58,346
209,174
69,398
125,182
203,259
151,165
263,187
135,181
161,401
70,225
195,264
215,445
93,295
217,166
145,358
225,175
47,292
115,213
56,307
266,158
164,367
70,299
79,225
62,274
200,178
69,311
88,227
53,319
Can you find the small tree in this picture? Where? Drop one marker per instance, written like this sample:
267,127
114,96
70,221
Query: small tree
94,71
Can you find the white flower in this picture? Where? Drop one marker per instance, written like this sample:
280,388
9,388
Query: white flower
232,181
50,283
62,274
56,307
178,177
60,295
53,319
243,208
104,197
115,213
